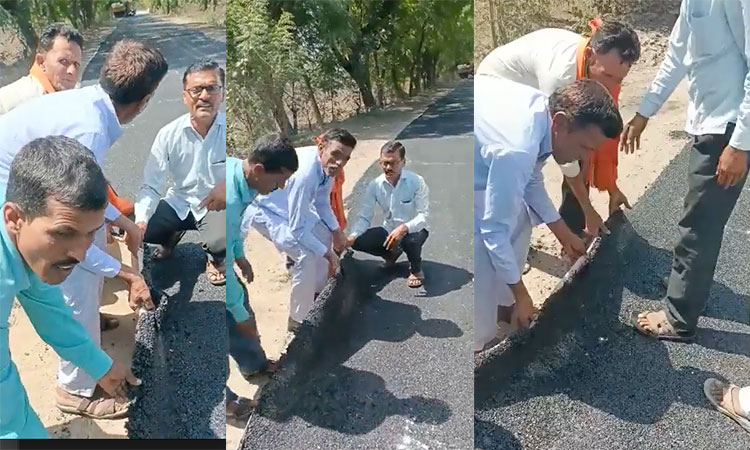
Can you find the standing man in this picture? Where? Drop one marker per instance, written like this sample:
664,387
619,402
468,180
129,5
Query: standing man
56,67
549,58
512,140
94,117
192,151
55,202
404,198
300,222
710,43
270,164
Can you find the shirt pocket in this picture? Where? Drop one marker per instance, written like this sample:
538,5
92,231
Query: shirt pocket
218,168
708,35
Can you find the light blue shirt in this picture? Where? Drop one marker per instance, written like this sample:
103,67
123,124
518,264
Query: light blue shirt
406,203
239,196
53,321
511,142
86,115
305,201
710,43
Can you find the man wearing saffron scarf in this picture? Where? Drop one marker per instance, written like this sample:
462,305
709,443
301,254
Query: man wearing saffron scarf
549,58
56,67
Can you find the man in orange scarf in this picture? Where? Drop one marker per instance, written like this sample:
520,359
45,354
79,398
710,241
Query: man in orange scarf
549,58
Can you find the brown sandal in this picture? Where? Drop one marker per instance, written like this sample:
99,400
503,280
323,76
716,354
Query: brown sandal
659,327
108,323
216,275
100,406
416,280
240,409
715,391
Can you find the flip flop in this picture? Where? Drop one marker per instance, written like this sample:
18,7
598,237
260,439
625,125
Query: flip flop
661,328
214,275
709,388
415,280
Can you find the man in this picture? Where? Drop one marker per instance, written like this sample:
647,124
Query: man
300,222
270,164
549,58
55,202
512,140
710,43
403,197
192,151
94,117
56,67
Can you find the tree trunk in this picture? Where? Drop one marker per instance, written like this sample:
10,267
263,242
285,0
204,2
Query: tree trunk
279,115
493,15
313,102
396,84
379,82
360,72
414,86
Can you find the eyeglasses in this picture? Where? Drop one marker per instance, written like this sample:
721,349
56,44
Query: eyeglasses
198,90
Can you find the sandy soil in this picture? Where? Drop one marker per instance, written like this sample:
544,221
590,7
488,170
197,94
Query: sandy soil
269,293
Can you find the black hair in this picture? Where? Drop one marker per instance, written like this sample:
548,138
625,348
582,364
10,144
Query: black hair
202,65
53,30
587,102
274,153
617,35
339,135
393,147
132,71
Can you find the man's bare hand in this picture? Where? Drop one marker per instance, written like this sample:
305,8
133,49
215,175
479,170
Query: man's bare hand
140,294
133,234
216,200
245,268
333,263
339,240
395,237
616,200
114,381
732,167
630,140
594,223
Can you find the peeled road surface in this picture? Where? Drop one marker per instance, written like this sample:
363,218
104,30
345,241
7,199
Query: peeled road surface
180,351
583,379
400,377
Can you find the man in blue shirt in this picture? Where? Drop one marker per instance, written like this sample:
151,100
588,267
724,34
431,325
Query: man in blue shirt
93,116
56,196
299,220
267,168
512,140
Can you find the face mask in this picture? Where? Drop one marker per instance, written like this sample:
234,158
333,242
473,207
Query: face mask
571,169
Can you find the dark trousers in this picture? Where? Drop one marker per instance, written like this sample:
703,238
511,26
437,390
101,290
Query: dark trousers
212,228
706,211
372,240
571,211
247,352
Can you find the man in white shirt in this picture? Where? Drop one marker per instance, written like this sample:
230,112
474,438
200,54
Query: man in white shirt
94,117
192,151
710,43
300,222
403,197
549,58
56,67
512,140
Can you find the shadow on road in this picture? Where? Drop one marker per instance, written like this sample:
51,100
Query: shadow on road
446,117
582,348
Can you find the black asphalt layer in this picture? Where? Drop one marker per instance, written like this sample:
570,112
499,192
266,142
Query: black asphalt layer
180,349
395,371
583,379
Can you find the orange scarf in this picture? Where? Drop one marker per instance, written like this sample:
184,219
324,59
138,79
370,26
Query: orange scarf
337,195
602,168
38,73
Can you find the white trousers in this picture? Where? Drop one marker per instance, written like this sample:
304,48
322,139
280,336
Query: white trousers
745,400
82,291
489,290
309,273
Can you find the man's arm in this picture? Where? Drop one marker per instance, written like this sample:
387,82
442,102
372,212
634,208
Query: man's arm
154,180
300,200
672,69
99,262
364,216
324,208
422,203
53,321
741,135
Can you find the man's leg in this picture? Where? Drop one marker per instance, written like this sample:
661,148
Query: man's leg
246,351
17,419
371,242
708,207
165,228
412,244
213,234
571,211
325,236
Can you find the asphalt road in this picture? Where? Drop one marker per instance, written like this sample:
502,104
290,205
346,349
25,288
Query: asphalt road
402,378
181,347
582,379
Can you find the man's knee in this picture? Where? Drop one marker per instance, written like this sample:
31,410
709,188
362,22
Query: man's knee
215,243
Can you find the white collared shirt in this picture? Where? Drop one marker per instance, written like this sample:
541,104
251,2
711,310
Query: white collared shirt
511,142
195,165
406,203
544,59
19,91
710,43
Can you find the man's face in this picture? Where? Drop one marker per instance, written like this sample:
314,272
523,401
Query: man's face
608,68
61,63
333,156
203,94
392,165
266,182
52,244
574,144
